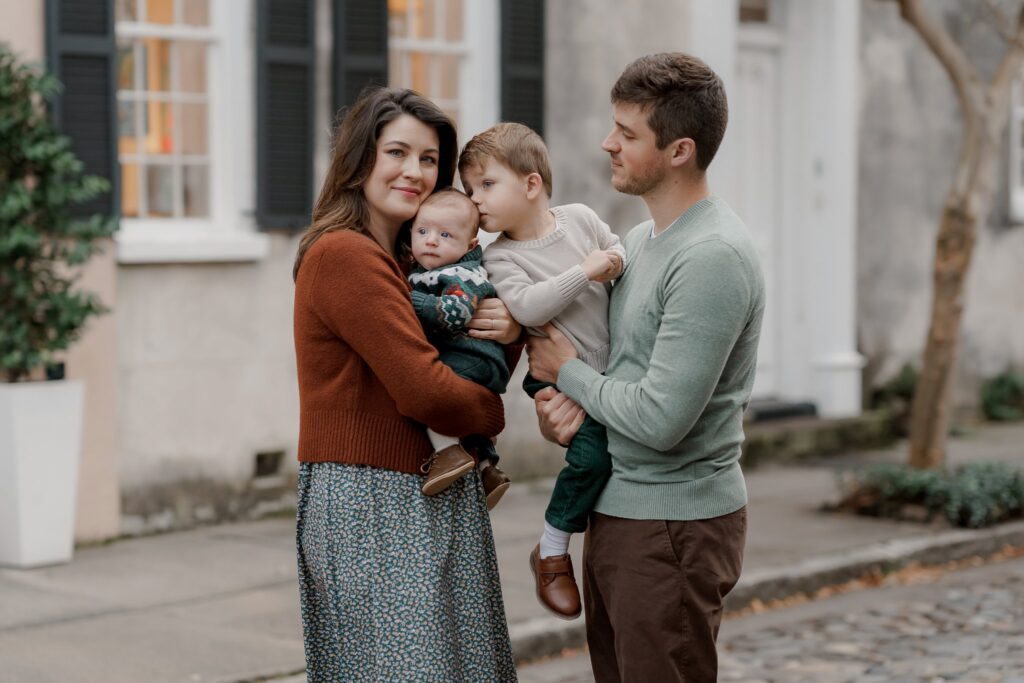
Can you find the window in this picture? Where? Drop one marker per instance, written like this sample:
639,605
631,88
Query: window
1017,152
755,11
184,146
163,108
448,51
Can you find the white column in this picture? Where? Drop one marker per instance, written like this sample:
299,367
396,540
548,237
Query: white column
832,205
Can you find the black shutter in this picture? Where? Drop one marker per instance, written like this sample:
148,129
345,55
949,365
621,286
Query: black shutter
360,48
285,72
82,54
522,62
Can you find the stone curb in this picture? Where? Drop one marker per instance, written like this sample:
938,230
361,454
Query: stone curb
546,636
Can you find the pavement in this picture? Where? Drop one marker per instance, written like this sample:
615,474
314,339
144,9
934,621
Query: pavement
220,603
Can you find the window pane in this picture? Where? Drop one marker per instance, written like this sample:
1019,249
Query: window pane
419,73
160,190
160,11
191,66
125,66
422,18
159,126
453,20
398,18
754,11
196,13
193,128
156,75
126,10
449,76
130,190
127,142
197,191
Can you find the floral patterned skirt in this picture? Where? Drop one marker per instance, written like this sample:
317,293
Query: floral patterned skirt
395,585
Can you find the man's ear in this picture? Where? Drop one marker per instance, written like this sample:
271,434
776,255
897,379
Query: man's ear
683,151
472,243
534,185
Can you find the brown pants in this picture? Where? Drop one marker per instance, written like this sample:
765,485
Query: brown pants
653,593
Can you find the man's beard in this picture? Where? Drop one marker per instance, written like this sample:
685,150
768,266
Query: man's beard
641,184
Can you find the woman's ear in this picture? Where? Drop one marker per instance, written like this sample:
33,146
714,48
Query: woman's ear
684,150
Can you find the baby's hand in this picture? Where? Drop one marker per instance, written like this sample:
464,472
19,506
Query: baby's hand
602,265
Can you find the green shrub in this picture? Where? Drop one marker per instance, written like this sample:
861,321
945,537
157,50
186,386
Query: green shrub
1002,397
974,495
42,243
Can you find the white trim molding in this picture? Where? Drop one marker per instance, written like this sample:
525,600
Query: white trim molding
1016,175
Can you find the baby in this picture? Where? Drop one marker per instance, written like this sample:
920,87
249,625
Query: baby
550,264
448,282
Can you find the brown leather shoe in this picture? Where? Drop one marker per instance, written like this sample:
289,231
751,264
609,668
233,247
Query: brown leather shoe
556,585
495,483
445,467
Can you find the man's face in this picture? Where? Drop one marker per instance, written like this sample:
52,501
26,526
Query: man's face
442,234
638,166
499,193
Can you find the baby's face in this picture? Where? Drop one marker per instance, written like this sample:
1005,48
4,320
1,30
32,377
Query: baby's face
442,234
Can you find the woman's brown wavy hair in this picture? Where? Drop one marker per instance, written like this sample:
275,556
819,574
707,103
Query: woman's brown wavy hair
341,204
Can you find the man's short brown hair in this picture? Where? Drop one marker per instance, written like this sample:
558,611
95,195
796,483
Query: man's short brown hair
683,97
512,144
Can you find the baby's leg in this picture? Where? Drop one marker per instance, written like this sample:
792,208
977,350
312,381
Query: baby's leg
440,441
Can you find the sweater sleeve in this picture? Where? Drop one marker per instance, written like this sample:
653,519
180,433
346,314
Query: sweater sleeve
453,308
706,306
609,241
360,296
534,303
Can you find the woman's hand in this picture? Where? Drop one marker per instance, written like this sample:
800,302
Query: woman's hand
548,354
493,321
558,416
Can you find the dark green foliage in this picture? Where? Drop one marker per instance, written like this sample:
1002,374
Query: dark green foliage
41,242
900,388
974,495
1002,397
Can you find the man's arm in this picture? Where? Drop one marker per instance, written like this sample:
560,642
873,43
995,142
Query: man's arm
707,304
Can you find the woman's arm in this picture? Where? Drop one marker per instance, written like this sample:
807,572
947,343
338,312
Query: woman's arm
360,296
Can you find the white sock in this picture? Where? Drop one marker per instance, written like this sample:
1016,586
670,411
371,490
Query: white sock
440,441
554,541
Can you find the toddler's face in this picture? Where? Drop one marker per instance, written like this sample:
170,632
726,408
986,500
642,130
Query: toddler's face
442,234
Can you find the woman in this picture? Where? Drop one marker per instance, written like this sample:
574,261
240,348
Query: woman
395,586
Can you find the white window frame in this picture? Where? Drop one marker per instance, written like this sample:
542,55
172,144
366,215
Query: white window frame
229,233
1016,175
479,74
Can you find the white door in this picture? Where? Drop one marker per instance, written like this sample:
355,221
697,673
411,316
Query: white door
756,122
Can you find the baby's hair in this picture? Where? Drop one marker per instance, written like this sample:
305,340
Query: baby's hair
512,144
451,196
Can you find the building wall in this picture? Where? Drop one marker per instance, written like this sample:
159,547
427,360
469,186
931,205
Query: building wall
910,137
94,358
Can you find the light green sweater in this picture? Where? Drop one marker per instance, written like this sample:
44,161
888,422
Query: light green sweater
685,321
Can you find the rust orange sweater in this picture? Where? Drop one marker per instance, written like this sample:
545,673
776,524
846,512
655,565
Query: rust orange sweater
368,378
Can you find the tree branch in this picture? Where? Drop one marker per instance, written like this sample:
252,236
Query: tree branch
1009,67
965,77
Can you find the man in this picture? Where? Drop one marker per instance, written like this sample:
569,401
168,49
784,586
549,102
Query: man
665,542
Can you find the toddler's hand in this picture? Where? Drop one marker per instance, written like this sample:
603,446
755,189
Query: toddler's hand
602,265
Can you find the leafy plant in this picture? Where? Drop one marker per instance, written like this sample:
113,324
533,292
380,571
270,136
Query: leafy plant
974,495
1002,397
42,243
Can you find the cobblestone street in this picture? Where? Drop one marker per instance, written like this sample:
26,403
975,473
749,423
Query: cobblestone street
965,626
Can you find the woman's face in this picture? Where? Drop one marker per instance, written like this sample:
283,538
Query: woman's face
404,172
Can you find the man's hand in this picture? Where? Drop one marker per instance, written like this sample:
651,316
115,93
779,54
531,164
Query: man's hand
602,265
493,321
548,354
558,416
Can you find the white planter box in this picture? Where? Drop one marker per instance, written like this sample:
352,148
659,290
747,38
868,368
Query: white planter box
40,443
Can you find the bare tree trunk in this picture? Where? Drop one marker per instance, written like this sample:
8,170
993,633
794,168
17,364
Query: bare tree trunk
985,111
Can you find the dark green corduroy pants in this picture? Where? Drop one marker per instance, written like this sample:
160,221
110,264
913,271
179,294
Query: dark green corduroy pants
586,471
